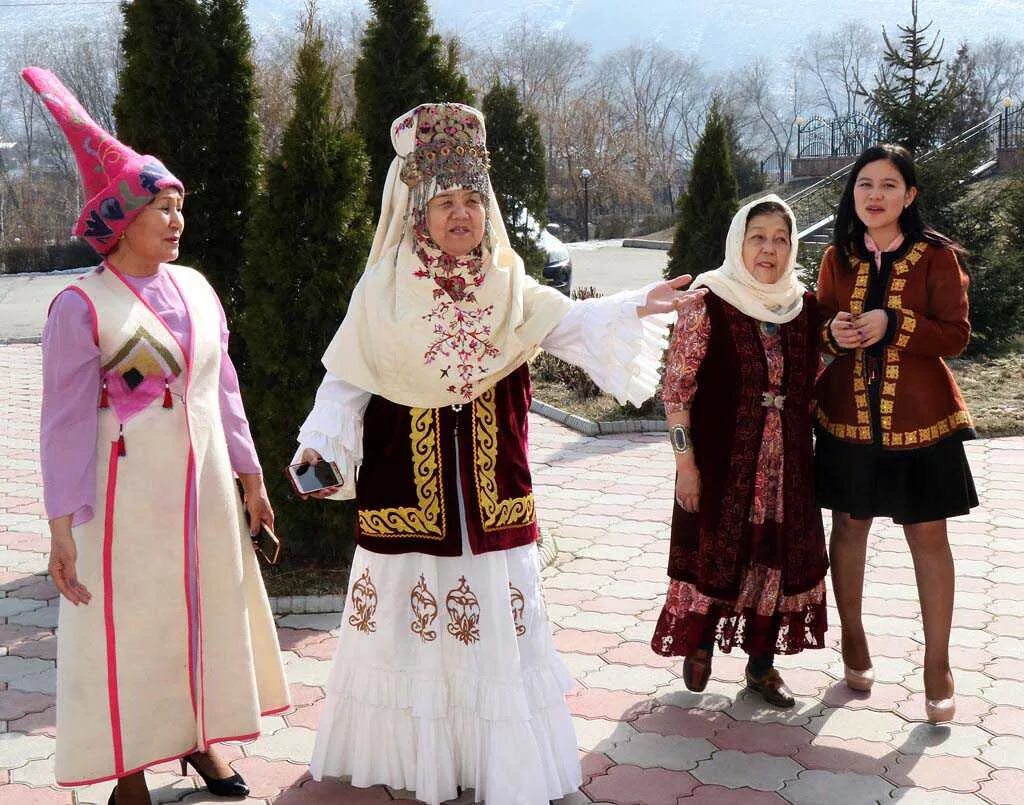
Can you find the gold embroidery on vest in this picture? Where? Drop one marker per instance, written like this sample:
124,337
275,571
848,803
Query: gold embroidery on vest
424,611
425,520
364,599
893,354
518,605
463,613
496,513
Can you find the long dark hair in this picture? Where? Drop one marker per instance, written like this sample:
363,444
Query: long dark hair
849,229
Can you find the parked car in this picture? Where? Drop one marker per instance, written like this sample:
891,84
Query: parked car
558,263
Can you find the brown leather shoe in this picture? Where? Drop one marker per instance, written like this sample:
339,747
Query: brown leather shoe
772,689
697,670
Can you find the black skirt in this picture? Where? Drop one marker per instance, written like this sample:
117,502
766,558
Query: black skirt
910,486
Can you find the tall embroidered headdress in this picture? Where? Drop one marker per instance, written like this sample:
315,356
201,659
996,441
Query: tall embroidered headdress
118,181
425,328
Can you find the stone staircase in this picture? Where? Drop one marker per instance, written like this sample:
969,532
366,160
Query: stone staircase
815,205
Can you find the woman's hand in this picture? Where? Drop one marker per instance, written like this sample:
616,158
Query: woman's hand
665,296
257,504
688,485
844,331
871,326
63,555
311,456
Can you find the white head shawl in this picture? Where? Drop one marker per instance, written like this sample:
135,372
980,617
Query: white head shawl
405,337
778,302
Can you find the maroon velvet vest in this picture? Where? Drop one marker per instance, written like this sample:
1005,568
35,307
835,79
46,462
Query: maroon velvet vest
712,548
407,493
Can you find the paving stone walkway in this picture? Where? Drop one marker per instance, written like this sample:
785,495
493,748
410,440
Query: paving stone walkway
644,739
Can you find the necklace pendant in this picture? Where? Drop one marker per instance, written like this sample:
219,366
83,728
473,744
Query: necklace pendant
768,327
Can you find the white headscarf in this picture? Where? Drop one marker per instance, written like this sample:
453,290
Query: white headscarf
423,343
778,302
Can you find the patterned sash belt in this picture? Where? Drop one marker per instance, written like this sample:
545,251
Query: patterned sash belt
772,400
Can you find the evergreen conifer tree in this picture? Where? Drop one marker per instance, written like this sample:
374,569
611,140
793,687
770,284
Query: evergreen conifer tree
310,238
164,105
233,150
708,205
913,98
401,64
747,169
518,170
187,95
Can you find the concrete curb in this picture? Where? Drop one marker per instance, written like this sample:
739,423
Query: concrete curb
640,243
21,339
589,427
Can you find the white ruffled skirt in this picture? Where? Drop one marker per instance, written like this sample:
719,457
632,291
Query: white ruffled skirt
446,676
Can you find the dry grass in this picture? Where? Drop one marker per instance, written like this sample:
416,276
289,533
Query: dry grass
993,388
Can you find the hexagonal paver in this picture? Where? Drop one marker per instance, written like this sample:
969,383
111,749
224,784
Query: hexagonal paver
629,785
632,678
649,750
23,795
771,739
1006,751
940,771
922,796
291,743
757,770
1004,787
868,725
17,749
600,622
617,705
601,734
929,739
841,755
817,787
305,670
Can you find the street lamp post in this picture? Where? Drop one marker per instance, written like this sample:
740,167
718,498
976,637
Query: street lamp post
585,175
1004,124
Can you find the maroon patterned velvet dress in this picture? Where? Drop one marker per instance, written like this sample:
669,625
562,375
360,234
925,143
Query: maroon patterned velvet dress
748,569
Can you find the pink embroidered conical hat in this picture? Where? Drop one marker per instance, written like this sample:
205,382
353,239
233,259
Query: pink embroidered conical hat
119,182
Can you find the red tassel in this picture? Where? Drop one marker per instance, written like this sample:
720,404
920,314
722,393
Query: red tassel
104,402
120,443
168,403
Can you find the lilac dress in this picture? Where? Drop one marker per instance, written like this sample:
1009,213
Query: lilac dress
71,391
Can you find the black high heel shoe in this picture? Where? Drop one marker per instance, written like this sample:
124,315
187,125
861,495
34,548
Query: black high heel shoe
233,786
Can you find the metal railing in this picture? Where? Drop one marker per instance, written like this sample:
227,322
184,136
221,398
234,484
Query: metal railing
837,137
1011,127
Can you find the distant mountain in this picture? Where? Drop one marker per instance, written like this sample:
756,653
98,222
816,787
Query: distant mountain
722,34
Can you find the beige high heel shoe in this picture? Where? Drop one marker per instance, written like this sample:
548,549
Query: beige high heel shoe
859,680
940,711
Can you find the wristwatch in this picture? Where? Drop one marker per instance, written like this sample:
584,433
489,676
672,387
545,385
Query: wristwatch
679,435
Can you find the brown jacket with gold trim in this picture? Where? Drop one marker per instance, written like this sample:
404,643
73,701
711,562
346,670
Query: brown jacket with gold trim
919,401
407,490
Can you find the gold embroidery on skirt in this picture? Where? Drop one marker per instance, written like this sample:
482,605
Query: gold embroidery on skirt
463,613
424,611
364,599
518,605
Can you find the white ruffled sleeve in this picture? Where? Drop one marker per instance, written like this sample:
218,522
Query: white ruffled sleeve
334,428
608,340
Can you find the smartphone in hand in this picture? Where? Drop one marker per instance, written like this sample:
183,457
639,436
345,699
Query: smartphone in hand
307,478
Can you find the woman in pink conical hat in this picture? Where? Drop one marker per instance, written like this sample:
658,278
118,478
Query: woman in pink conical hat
166,643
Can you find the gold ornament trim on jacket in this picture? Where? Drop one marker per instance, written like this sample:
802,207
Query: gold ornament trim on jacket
426,520
861,431
496,514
